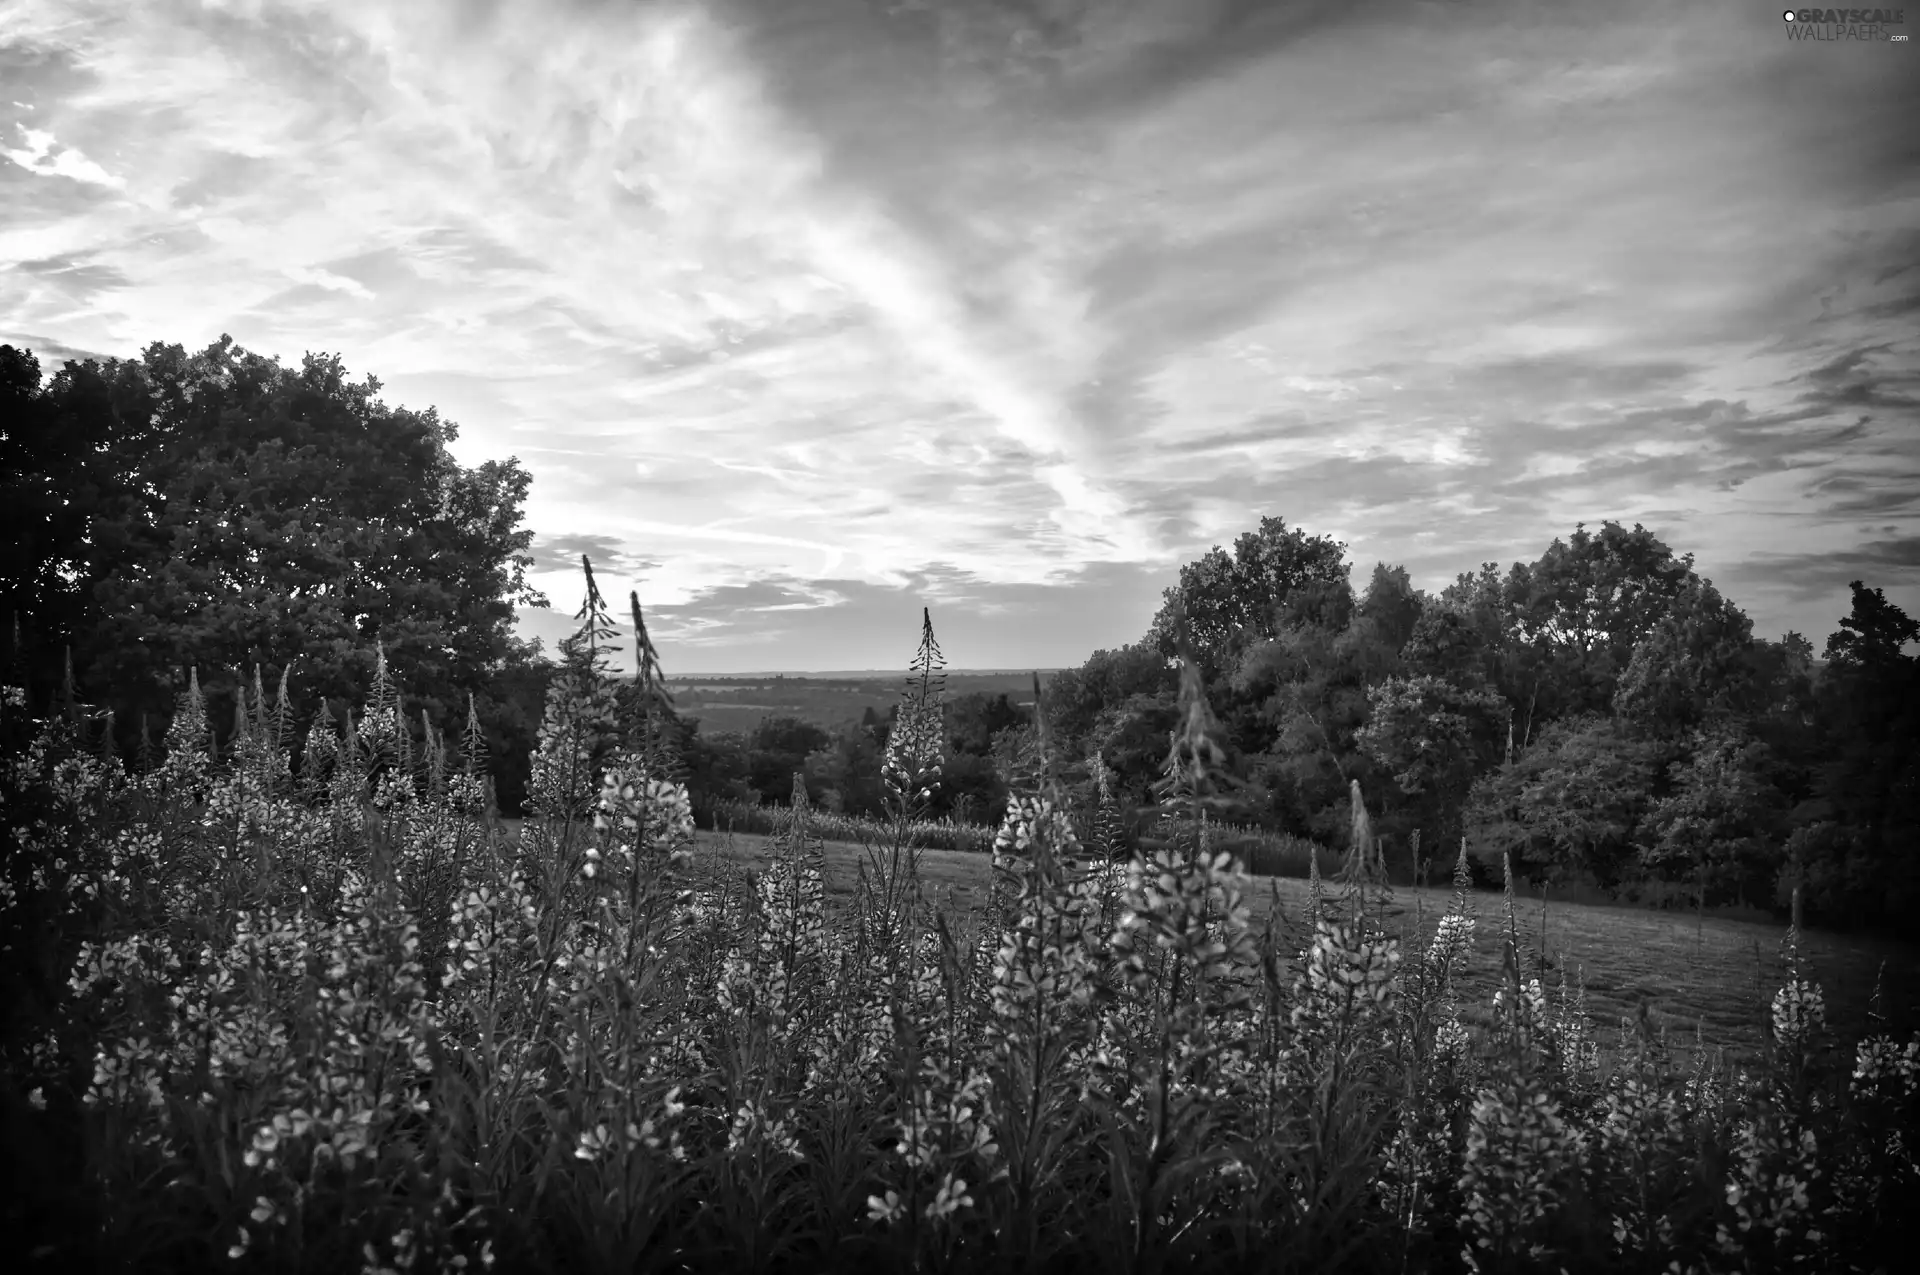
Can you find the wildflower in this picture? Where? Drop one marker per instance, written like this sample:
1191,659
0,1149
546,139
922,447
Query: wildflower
1451,942
884,1210
1768,1190
1799,1010
1641,1130
1346,972
749,1120
1517,1148
1450,1042
661,812
1524,1016
1880,1065
1704,1092
594,1143
951,1198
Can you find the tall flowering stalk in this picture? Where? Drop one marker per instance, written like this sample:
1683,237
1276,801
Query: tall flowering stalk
1183,931
884,1029
911,767
1776,1186
911,771
1798,1017
579,728
1520,1149
1041,992
1885,1089
609,1002
947,1150
1432,1044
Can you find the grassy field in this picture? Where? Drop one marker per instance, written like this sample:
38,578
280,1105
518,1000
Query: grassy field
721,1096
1718,975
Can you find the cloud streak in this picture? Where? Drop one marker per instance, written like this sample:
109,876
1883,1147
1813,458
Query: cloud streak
809,313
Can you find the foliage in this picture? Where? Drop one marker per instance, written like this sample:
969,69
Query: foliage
364,1033
1568,796
1579,611
1873,634
1692,667
1433,737
1571,804
1246,596
1295,702
1868,711
1451,643
219,511
1384,622
1720,823
1107,678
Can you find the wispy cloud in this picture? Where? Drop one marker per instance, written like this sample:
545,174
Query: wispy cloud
805,313
42,155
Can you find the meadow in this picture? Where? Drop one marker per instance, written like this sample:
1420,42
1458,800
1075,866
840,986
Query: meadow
355,1023
1706,983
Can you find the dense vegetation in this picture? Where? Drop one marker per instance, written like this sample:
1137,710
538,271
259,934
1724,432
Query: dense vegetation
1602,715
343,1024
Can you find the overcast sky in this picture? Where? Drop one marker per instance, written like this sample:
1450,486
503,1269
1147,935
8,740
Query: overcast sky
806,313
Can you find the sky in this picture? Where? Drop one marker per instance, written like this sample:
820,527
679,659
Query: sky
806,314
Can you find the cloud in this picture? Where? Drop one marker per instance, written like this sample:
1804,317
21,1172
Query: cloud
330,281
43,156
1810,575
74,277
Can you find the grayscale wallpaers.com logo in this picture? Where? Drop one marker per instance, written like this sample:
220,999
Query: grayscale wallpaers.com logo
1845,24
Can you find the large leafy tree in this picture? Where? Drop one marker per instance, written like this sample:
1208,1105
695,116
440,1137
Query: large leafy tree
1434,737
1384,622
1243,597
234,512
1294,702
1449,641
58,469
1721,823
1569,804
1582,608
1077,697
1693,666
1868,711
1873,635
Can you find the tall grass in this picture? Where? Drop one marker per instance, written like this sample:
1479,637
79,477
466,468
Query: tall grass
352,1027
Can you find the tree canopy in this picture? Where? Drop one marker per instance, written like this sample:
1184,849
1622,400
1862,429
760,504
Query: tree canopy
1246,595
1601,712
217,511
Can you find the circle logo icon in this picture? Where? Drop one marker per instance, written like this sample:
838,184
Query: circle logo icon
1788,15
